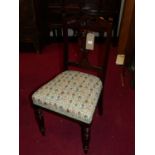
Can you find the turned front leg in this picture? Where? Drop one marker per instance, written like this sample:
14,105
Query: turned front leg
85,132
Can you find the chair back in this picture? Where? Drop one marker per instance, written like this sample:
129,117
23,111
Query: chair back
86,28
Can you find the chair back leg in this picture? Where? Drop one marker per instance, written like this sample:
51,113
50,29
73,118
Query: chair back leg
40,119
100,104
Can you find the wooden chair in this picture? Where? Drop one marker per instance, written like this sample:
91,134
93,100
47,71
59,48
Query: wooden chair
75,94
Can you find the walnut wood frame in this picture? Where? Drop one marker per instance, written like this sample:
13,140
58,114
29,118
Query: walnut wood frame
91,24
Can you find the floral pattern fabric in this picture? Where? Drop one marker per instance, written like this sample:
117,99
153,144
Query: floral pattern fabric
71,93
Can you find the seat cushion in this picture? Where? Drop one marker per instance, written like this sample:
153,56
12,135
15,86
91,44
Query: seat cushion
71,93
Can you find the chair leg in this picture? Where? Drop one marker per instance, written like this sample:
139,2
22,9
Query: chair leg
40,119
85,132
100,104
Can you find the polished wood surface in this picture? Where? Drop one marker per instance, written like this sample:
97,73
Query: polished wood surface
126,24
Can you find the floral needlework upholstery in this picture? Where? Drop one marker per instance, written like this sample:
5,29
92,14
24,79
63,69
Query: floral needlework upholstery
71,93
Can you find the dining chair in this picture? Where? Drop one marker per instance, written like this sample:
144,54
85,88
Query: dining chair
72,93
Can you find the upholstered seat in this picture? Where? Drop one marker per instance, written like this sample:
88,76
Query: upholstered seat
71,93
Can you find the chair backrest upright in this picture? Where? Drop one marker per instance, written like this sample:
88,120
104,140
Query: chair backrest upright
84,25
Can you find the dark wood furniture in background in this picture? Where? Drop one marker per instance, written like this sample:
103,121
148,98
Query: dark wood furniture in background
43,19
32,23
126,43
57,9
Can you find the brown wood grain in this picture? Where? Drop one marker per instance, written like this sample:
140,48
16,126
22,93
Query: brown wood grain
126,22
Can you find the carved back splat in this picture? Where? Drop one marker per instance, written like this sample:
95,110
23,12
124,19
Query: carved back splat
84,25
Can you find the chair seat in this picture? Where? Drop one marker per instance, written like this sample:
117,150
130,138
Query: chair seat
71,93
